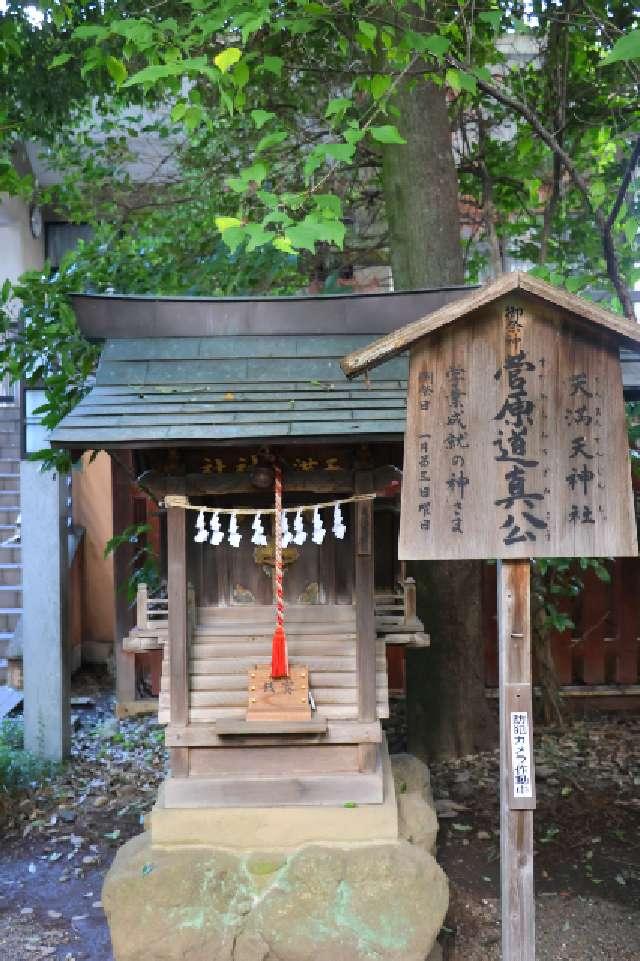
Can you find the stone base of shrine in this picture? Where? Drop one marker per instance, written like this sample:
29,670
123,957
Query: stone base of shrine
281,825
340,891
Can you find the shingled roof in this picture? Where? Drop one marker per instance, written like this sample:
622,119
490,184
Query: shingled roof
174,390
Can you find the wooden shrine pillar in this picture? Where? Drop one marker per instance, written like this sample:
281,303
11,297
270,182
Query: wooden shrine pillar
365,613
178,638
517,778
123,517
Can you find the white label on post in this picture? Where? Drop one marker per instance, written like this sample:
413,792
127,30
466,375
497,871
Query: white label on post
521,755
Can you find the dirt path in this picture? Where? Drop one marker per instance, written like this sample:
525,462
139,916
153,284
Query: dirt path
59,840
587,846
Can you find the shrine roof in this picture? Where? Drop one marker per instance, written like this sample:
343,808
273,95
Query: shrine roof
398,341
188,390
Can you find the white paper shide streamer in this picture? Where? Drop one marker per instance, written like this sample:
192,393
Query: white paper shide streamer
339,528
319,532
201,531
287,536
300,534
258,536
234,535
296,534
217,534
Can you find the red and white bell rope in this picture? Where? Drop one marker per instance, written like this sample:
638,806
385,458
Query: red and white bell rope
279,658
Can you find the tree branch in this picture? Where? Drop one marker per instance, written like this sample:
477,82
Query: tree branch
523,110
634,159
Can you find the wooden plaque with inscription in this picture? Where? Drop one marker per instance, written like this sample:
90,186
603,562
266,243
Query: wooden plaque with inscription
516,443
282,699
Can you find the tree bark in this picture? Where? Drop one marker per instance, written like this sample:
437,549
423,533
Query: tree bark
421,192
446,707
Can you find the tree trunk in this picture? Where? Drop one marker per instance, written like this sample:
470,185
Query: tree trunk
421,193
446,707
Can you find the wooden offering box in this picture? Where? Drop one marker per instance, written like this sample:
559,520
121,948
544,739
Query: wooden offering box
278,699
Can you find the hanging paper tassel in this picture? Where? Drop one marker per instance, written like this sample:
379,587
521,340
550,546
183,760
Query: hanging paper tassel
217,534
339,528
318,530
300,535
287,536
279,658
234,536
258,532
201,530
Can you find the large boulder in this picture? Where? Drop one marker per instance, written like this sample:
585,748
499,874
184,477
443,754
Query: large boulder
372,902
382,901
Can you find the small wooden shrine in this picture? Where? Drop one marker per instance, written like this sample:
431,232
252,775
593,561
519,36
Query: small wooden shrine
280,484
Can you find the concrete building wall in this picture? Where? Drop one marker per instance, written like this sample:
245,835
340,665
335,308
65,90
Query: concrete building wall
92,510
19,249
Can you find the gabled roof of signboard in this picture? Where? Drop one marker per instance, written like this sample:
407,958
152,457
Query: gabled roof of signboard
399,340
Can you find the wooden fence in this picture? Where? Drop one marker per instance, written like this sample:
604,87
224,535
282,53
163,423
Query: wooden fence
603,647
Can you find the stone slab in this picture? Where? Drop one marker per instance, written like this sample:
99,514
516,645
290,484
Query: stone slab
259,828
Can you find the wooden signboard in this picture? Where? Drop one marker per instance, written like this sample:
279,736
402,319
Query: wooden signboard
515,447
516,444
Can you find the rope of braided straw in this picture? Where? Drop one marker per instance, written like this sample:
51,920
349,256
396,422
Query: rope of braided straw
278,548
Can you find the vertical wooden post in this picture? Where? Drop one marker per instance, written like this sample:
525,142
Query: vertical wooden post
410,609
517,778
122,502
178,632
141,606
365,612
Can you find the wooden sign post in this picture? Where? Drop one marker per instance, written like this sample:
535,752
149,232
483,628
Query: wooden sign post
515,448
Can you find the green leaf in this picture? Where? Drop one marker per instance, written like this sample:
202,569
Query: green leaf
302,236
116,69
258,236
139,32
283,244
387,133
380,83
59,60
178,110
226,59
255,173
435,44
240,75
193,117
233,237
271,140
329,203
458,81
626,48
161,71
225,223
261,117
338,106
369,30
89,32
339,151
492,17
273,65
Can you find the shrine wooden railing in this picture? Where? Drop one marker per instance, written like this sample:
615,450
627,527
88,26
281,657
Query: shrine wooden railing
152,623
398,624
